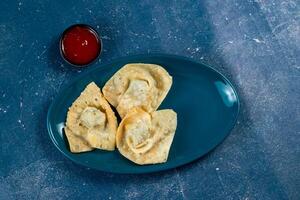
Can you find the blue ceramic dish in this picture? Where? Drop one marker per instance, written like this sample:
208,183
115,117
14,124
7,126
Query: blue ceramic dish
206,103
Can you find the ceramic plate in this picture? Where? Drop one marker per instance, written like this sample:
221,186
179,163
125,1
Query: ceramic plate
206,103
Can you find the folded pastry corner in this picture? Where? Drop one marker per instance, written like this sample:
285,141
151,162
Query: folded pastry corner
146,138
76,143
137,85
91,123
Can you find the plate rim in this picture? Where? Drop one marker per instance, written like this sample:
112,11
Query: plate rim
103,66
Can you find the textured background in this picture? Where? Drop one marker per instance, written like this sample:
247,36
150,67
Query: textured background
255,43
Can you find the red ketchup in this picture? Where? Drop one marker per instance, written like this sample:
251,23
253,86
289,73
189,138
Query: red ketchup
80,45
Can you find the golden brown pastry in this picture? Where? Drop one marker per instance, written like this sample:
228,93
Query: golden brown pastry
76,143
137,85
146,138
91,123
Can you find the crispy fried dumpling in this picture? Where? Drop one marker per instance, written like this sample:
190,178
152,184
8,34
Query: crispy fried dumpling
91,123
137,85
146,138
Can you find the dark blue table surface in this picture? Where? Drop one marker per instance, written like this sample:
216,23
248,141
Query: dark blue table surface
255,43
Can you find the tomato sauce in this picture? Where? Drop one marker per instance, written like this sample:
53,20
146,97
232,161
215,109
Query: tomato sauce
80,45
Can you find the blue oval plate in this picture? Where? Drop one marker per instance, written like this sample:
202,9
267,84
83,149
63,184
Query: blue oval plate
205,101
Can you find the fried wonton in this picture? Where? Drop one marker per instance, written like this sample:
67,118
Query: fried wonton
91,123
137,85
146,138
